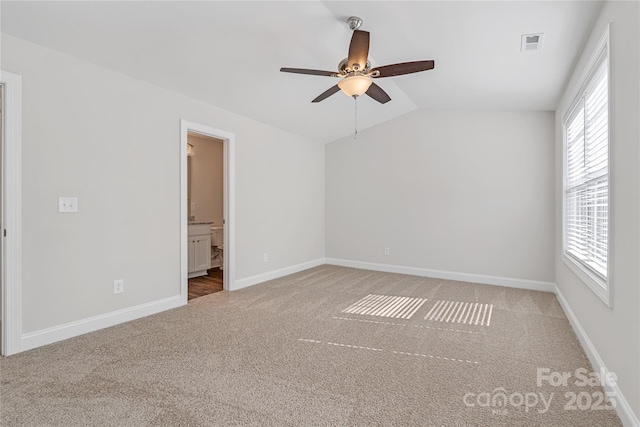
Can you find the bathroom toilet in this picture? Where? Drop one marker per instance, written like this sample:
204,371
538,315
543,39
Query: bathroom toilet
217,246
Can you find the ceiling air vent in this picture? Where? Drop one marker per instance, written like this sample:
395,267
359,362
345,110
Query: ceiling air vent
531,42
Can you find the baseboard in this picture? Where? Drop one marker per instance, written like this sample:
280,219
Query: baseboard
42,337
276,274
624,411
533,285
197,274
69,330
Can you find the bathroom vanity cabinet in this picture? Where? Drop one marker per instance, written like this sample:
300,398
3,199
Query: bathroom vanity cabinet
199,249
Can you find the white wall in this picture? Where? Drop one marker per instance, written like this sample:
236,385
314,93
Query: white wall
114,142
460,191
207,189
615,332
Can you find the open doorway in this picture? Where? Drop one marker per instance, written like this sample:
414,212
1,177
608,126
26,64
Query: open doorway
207,210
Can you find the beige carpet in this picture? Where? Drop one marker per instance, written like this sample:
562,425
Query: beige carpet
312,349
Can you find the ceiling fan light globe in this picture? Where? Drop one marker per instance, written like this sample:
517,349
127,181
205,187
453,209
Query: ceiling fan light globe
354,85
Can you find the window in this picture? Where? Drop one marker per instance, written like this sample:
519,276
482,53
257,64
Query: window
586,177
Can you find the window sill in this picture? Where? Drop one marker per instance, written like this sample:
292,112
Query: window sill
595,283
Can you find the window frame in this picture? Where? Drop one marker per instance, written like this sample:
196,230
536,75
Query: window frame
601,286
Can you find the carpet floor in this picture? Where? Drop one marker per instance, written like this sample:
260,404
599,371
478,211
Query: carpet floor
329,346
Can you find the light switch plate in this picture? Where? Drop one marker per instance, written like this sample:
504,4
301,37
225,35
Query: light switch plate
67,204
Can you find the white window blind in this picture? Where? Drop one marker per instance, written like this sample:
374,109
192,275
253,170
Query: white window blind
586,194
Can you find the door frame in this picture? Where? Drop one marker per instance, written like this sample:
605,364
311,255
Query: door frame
11,212
229,150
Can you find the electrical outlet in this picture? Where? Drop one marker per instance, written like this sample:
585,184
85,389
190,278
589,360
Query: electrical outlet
265,257
67,204
118,286
386,251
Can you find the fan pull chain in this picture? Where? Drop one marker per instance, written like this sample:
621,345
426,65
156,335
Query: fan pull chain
355,99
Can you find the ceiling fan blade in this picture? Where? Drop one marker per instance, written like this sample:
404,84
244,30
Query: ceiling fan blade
359,49
377,93
404,68
312,72
327,93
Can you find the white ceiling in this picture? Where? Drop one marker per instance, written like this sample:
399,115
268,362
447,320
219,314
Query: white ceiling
229,53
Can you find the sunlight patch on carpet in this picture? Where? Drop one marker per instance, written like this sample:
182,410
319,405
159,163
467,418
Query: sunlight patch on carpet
340,345
377,322
446,329
404,353
371,321
468,313
386,306
436,357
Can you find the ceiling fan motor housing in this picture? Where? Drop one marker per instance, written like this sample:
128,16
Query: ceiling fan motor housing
343,68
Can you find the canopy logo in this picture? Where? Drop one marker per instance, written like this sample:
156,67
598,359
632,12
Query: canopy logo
499,400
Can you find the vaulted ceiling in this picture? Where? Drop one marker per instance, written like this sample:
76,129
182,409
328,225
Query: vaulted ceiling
229,53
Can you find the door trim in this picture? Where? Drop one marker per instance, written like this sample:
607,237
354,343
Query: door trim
11,213
229,150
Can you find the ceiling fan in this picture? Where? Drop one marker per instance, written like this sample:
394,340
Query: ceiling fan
356,73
